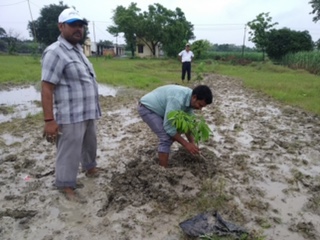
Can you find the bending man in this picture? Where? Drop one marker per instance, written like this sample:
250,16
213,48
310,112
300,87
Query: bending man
155,106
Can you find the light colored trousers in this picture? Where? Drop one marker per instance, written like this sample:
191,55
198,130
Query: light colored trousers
76,144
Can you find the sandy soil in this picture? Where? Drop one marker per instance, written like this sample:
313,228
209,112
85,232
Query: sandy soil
260,171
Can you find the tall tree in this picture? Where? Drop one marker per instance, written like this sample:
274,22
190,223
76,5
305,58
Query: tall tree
177,33
284,41
260,27
156,26
315,4
46,26
126,20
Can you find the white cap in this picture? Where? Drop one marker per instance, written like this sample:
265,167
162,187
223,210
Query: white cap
70,15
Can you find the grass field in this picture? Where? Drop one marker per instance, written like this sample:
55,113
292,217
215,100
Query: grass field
294,87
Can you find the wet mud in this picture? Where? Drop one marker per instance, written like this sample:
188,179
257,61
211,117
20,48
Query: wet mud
260,170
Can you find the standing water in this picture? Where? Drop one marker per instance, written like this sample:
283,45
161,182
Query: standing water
20,102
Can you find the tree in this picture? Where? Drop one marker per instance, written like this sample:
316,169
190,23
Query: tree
126,21
200,47
260,28
3,33
315,4
3,44
284,41
12,39
177,33
156,26
46,26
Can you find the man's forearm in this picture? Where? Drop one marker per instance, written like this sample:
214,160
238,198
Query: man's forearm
190,138
47,100
177,137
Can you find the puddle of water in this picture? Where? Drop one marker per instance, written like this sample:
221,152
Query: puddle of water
22,100
105,90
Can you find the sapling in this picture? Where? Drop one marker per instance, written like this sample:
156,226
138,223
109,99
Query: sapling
190,124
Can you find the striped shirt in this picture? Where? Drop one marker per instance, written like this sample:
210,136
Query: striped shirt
76,97
168,98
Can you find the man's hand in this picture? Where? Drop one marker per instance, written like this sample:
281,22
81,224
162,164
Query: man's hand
51,131
188,145
192,148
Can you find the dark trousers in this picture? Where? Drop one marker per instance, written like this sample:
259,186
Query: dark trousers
186,67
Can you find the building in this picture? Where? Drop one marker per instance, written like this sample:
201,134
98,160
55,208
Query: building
143,50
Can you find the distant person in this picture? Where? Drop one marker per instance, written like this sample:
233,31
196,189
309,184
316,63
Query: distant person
70,103
155,106
186,56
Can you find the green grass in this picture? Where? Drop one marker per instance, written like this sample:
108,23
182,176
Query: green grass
139,73
294,87
19,69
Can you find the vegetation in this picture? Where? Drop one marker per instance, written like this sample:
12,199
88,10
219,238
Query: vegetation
200,47
303,60
295,87
315,4
156,26
284,41
277,43
186,123
45,29
259,30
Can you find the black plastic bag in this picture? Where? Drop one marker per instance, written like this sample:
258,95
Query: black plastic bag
210,223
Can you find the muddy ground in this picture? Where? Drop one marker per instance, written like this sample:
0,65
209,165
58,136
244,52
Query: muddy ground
260,170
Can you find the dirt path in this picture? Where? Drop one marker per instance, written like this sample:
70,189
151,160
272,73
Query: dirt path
260,170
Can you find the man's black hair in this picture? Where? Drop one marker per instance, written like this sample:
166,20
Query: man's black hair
203,92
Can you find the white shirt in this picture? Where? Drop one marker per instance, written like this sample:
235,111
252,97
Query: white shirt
186,56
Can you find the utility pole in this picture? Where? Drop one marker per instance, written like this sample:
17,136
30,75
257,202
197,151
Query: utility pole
33,28
94,38
244,39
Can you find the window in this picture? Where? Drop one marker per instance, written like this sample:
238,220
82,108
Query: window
140,48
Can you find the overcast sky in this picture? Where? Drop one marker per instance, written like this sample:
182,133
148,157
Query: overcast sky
218,21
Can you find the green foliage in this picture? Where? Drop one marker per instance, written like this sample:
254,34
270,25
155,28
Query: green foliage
303,60
259,30
152,27
187,123
315,4
284,41
200,47
200,69
127,21
235,56
46,26
3,32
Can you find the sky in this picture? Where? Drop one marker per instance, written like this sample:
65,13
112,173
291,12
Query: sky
218,21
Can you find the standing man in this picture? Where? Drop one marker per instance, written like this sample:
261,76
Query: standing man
155,106
186,56
70,103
